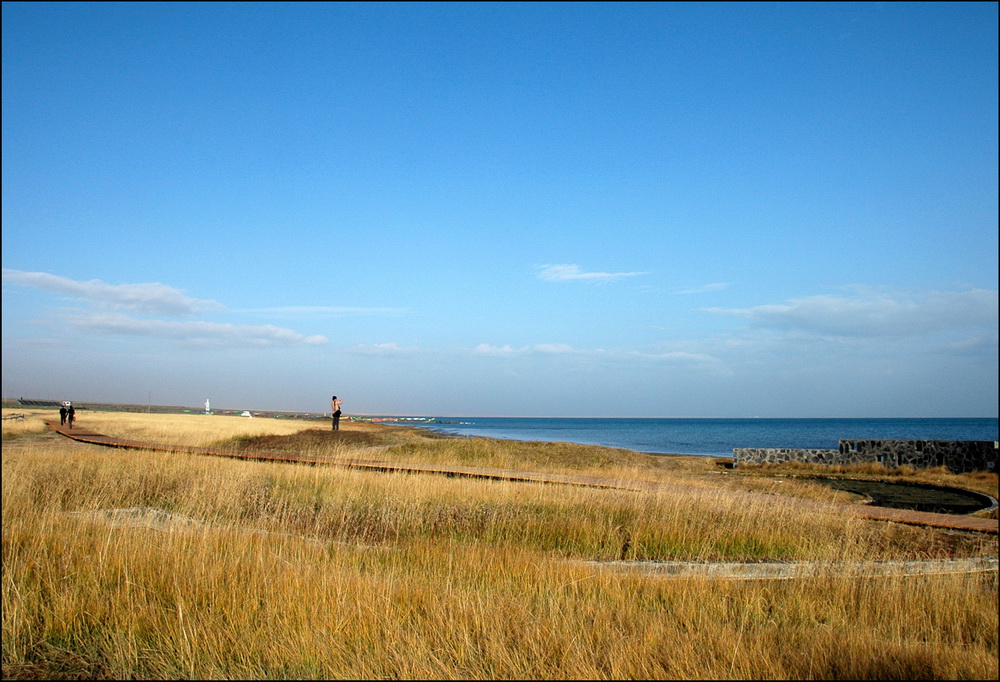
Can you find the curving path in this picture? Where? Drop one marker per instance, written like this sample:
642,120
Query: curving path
729,570
952,521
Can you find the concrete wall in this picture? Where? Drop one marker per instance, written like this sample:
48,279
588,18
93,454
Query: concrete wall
957,456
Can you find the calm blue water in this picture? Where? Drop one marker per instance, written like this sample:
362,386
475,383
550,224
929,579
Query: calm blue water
713,437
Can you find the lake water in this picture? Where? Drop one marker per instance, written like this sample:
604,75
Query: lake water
713,437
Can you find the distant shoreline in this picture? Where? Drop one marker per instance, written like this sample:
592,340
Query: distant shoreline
14,403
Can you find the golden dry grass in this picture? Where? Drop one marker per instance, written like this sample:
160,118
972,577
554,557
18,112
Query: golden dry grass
981,481
138,564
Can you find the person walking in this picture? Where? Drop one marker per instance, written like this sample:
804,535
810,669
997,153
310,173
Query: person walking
335,410
62,415
70,415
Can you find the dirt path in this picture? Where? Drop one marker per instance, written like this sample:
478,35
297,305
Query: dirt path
951,521
800,569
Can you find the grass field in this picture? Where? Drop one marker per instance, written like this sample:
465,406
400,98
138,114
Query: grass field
142,564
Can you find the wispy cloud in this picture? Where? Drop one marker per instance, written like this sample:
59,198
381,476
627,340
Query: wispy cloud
876,314
128,309
507,349
568,273
716,286
144,298
554,348
681,358
194,333
705,363
383,350
302,311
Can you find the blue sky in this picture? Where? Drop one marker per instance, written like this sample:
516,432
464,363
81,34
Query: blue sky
723,209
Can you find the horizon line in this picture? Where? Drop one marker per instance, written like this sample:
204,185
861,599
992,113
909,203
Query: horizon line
476,416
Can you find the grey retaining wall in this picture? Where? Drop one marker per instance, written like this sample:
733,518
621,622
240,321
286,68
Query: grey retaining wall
957,456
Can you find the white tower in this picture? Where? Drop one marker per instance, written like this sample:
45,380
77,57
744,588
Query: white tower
208,407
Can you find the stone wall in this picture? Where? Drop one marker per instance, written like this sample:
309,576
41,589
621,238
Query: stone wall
957,456
780,455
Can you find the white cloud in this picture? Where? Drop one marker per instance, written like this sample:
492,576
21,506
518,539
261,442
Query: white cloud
382,349
195,333
679,358
115,305
554,348
674,356
317,311
146,298
567,273
539,348
487,349
715,286
870,314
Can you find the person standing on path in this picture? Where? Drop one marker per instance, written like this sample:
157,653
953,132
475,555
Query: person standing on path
335,409
62,415
70,415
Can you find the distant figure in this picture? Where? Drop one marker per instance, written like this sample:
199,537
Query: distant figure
335,408
62,415
70,415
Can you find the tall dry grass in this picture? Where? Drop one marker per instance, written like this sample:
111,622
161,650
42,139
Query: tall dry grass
156,565
978,481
